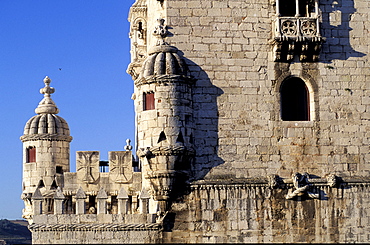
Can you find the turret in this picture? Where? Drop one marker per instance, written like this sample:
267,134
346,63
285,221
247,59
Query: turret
163,103
46,142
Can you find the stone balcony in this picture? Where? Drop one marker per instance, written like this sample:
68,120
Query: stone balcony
296,36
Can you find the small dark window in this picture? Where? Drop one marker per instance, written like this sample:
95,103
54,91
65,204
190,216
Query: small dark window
294,98
31,154
59,169
149,101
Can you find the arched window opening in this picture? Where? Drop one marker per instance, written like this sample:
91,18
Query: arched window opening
31,154
140,30
294,100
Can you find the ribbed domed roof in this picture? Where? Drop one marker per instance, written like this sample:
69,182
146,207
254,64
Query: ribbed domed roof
46,125
164,60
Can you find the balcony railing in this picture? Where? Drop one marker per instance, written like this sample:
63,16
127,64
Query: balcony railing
297,28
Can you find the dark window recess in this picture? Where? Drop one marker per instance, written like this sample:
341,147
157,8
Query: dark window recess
140,29
68,205
294,97
91,203
288,8
149,101
31,154
59,169
113,209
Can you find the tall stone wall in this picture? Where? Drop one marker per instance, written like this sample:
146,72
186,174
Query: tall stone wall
257,213
236,99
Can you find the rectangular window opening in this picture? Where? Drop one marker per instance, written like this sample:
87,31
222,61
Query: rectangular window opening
148,101
31,154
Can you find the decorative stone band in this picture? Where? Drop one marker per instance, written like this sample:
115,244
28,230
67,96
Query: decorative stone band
50,137
161,174
165,79
165,151
168,150
95,227
299,39
275,181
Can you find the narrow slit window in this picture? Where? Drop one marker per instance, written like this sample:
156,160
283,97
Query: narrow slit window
294,100
148,101
31,154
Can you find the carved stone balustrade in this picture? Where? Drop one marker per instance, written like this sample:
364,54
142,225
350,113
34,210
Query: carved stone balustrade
297,36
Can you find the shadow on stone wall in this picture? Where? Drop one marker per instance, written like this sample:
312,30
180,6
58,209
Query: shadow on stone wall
336,28
205,109
205,132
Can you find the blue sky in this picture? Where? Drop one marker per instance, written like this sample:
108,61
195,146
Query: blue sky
83,46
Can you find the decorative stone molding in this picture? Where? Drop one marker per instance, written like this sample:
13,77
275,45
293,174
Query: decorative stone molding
50,137
163,79
95,227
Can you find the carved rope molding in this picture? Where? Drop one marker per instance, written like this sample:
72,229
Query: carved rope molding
166,79
54,137
95,227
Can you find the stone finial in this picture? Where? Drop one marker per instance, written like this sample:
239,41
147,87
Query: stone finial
128,147
161,32
80,201
58,201
37,202
122,201
101,194
37,195
144,201
122,194
47,105
59,194
80,194
102,201
144,194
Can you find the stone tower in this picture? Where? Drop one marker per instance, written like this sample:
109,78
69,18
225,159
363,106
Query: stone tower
163,103
252,123
46,142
